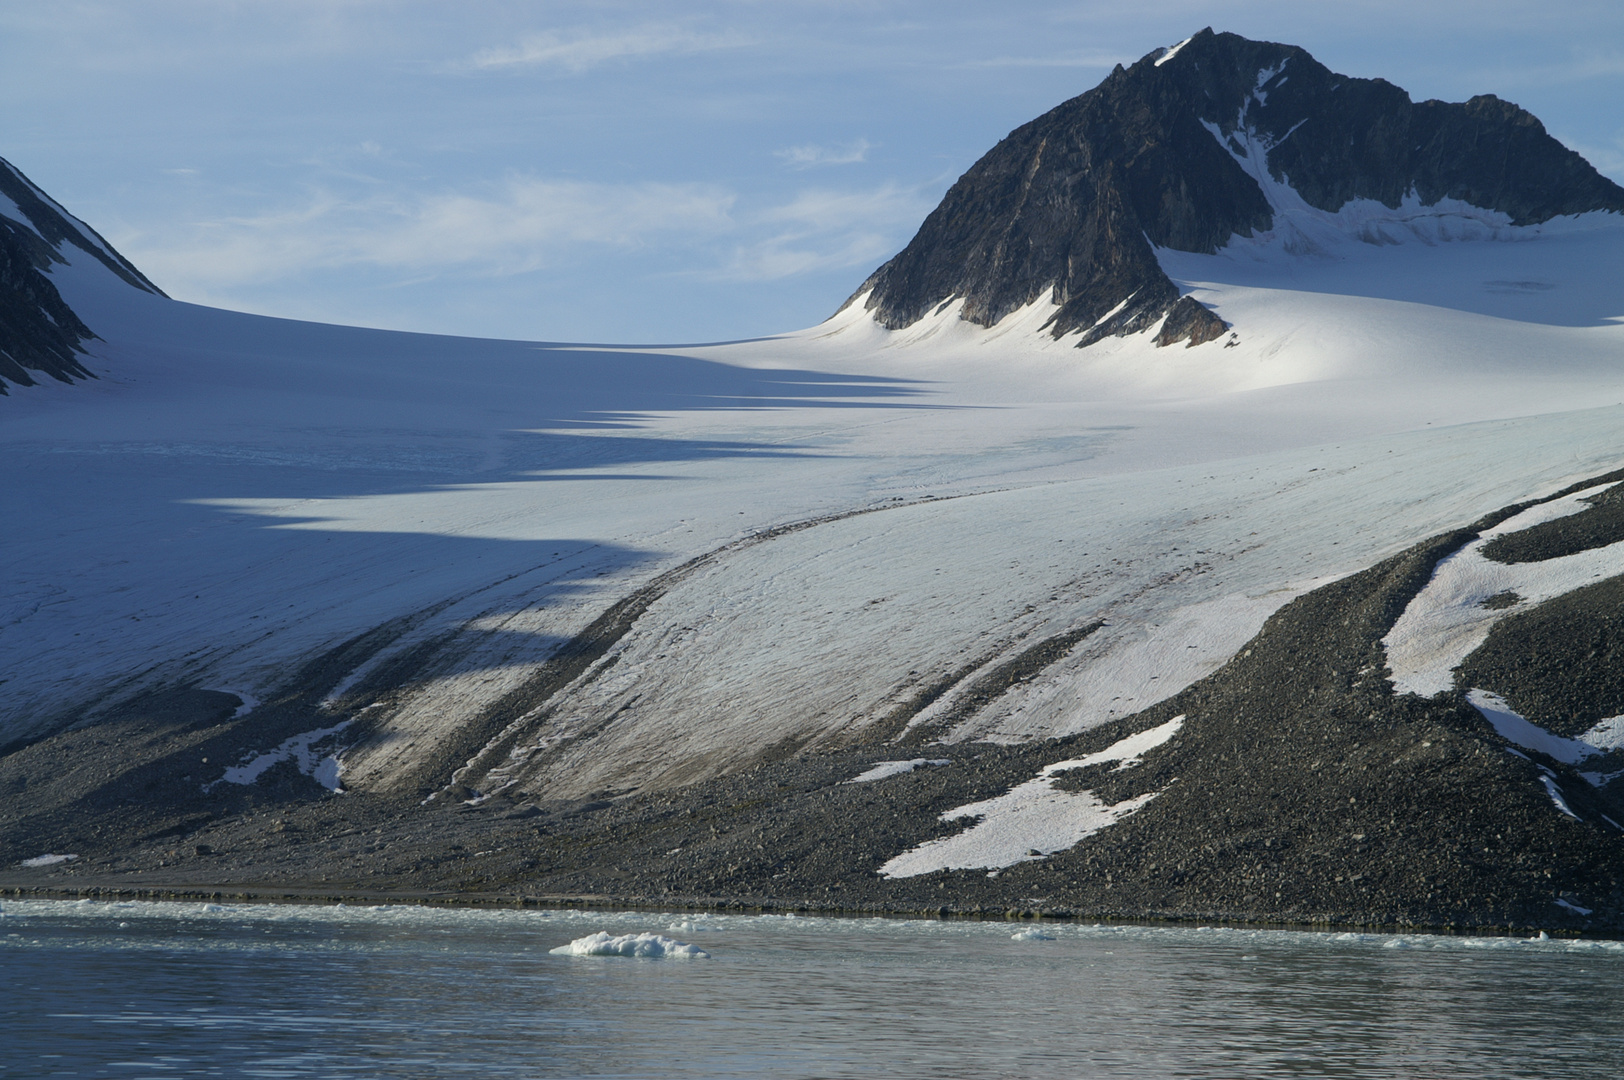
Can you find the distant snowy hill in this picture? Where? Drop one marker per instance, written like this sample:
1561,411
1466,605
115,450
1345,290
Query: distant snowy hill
1195,146
935,613
39,333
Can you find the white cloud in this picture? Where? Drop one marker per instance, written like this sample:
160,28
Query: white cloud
511,228
526,224
828,230
579,50
807,157
1061,60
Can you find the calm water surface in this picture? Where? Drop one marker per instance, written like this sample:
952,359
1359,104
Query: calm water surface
141,990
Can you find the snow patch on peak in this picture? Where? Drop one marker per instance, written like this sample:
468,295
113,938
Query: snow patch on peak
1302,229
1174,51
1264,77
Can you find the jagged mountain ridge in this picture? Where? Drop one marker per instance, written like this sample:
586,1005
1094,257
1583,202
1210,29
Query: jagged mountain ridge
39,333
1073,204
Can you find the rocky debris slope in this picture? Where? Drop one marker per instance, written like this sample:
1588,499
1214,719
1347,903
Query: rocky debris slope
1296,784
39,333
1168,153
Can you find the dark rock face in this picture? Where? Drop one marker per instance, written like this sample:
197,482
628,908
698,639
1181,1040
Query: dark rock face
1072,203
39,333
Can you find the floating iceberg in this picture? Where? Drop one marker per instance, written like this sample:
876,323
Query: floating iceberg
651,946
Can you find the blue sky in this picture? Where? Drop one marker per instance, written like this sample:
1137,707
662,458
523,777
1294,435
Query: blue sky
633,171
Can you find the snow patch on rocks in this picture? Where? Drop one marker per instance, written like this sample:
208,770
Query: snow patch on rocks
886,769
1033,820
1447,620
1603,738
247,702
47,860
324,769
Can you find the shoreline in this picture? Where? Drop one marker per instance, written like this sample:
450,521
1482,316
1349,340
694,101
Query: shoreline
319,897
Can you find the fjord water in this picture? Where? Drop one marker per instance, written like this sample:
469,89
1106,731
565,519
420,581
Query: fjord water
172,990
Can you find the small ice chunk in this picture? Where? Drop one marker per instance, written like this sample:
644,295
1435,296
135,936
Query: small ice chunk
887,769
1030,934
48,860
648,946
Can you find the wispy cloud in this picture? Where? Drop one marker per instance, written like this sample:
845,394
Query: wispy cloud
827,230
527,224
578,50
1058,60
809,157
510,228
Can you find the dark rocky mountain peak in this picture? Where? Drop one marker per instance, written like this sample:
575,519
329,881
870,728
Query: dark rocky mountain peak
1166,153
39,333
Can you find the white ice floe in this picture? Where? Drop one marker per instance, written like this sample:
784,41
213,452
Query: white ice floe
1030,934
324,768
47,860
1033,820
646,946
885,769
1602,738
1447,620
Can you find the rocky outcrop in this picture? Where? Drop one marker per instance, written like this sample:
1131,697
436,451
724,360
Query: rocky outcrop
39,333
1073,205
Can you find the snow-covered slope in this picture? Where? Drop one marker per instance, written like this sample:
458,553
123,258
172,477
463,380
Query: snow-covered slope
258,561
236,497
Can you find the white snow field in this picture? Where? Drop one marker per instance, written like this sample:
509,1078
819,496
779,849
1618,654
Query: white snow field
237,495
